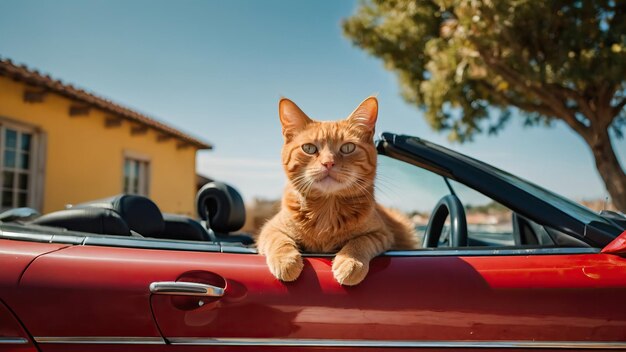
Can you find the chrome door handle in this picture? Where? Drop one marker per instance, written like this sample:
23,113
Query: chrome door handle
185,289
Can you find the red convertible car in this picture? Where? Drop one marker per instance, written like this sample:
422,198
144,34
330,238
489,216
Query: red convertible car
118,275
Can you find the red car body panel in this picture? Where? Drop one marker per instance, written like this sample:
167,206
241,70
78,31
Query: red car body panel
15,256
95,291
89,291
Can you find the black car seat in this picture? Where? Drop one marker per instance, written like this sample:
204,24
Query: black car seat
223,210
181,227
144,217
121,215
140,213
91,220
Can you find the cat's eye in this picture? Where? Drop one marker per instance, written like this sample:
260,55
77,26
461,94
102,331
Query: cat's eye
347,148
309,148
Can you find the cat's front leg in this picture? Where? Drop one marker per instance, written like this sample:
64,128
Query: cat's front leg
281,254
352,262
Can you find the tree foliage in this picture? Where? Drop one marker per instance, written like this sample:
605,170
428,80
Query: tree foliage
468,63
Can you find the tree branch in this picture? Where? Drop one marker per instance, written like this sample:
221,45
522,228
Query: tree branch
545,96
581,102
528,107
618,108
538,108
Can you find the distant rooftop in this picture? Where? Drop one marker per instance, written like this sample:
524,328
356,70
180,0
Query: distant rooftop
35,78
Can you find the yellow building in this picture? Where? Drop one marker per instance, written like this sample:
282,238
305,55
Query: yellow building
61,145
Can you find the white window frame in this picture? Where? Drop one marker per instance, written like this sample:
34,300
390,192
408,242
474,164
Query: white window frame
141,163
36,166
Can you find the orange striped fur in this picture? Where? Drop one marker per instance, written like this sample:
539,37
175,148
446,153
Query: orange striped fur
328,205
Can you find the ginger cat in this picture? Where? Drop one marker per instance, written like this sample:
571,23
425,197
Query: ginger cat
328,205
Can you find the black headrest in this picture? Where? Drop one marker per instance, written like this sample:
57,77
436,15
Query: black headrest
225,207
180,227
92,220
140,213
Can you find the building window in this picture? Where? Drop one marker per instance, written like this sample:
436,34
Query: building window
17,164
136,176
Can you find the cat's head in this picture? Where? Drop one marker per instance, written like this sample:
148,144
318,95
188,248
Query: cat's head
329,157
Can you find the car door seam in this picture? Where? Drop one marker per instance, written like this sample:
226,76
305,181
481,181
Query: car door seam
19,280
154,319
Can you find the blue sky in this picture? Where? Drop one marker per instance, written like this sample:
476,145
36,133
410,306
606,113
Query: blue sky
216,70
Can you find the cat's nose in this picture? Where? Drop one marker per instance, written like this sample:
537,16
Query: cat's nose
328,164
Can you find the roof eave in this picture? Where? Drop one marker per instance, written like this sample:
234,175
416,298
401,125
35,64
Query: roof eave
34,78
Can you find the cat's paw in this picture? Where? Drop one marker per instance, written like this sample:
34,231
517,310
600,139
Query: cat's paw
349,271
285,267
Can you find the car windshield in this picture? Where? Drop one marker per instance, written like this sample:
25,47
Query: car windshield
570,207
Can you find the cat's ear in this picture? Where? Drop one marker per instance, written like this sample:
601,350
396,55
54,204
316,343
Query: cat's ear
365,115
291,117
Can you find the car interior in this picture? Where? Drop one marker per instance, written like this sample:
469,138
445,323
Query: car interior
220,207
221,211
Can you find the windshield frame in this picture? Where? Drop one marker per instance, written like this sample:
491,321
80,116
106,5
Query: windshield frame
524,197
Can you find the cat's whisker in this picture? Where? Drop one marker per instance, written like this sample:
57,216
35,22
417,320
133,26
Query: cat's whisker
387,190
308,189
302,183
362,185
360,179
387,186
367,192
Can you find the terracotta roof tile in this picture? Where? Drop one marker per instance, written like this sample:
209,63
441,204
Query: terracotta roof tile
35,78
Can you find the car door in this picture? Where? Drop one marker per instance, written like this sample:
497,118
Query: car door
532,298
92,294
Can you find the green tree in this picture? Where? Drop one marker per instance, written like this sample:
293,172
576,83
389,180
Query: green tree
470,63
